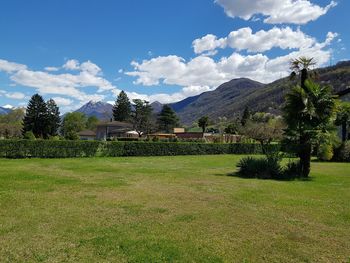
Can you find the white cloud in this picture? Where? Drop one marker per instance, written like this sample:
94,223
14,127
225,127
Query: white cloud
62,101
12,95
52,69
205,71
208,43
71,64
164,97
276,11
8,106
10,67
261,41
67,84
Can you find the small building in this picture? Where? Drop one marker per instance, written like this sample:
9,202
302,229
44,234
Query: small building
87,135
179,130
190,135
161,136
113,129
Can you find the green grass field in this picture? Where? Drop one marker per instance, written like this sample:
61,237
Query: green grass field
169,209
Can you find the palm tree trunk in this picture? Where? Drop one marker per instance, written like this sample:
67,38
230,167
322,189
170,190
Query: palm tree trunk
305,156
304,76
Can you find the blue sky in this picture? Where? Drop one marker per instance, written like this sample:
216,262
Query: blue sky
76,51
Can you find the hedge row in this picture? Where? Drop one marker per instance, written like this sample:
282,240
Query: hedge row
65,149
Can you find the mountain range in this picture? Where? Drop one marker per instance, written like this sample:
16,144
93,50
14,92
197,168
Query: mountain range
230,98
4,111
101,110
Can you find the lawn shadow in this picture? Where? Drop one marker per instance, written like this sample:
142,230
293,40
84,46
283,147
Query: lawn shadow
236,174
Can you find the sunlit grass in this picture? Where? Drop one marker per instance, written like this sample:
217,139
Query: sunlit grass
169,209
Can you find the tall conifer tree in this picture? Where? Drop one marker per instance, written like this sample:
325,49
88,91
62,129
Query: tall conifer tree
167,119
122,107
36,118
54,120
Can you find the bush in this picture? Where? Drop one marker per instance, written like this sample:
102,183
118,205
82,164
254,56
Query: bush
47,149
29,135
267,168
292,170
65,149
261,168
325,152
342,153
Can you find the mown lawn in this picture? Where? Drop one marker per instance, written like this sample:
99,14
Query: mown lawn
169,209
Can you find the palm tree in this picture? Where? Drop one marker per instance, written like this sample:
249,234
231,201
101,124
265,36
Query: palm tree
343,119
308,113
301,66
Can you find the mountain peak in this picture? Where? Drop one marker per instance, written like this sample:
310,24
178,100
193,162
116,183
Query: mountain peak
101,110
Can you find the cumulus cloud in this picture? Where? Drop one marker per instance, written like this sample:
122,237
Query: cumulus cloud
66,84
52,69
12,95
208,43
62,101
71,64
10,67
276,11
165,97
261,41
205,71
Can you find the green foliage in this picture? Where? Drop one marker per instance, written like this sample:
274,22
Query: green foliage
72,124
36,118
342,153
141,116
167,119
292,170
325,152
203,122
53,118
261,168
343,119
47,148
308,112
122,107
264,132
246,116
62,149
92,122
29,135
231,128
267,168
11,124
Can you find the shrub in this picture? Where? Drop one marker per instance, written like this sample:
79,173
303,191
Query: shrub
262,168
268,168
342,153
63,148
292,170
29,135
325,152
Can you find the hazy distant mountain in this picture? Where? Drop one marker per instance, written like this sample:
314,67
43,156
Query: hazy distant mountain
157,106
4,111
178,106
217,103
101,110
230,99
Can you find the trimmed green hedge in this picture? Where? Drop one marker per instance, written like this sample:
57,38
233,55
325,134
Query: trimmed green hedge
66,149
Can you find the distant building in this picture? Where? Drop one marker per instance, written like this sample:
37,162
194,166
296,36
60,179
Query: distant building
114,129
87,135
182,134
